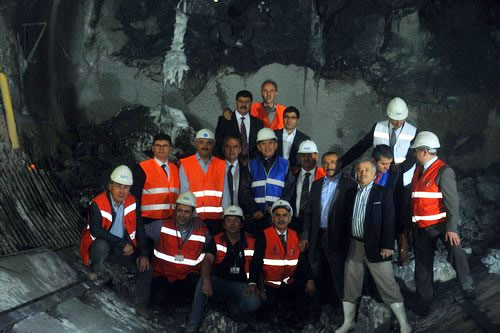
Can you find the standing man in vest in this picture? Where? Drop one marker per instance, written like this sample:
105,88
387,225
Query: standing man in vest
203,174
323,232
266,179
179,253
232,149
241,125
309,172
229,255
286,272
398,134
289,137
269,112
156,186
370,220
435,207
115,233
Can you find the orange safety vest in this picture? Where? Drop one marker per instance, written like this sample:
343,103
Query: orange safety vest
320,173
279,265
206,187
175,260
104,205
258,111
159,192
427,199
221,246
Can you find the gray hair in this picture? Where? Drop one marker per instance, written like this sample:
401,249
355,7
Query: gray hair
366,159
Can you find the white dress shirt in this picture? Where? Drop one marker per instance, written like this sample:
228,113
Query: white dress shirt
287,142
226,198
246,122
167,168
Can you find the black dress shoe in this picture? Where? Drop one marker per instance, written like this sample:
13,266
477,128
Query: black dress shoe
419,308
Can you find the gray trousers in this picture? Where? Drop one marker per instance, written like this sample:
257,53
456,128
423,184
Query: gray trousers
381,272
424,261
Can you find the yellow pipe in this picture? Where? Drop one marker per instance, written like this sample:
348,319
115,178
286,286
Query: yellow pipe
9,112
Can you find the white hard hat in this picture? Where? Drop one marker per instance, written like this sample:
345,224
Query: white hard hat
282,204
397,109
187,198
427,139
307,146
205,133
233,211
266,134
122,175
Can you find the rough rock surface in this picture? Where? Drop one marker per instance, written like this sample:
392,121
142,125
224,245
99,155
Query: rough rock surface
492,261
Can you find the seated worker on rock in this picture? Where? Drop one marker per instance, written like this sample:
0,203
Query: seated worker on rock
178,255
115,233
286,273
228,255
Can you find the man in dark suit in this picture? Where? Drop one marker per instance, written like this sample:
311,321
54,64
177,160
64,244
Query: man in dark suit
232,150
241,125
370,227
323,231
289,137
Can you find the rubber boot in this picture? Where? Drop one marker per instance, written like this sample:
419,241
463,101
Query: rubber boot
349,314
399,312
403,257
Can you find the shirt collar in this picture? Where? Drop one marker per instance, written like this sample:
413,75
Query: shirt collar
397,129
113,203
335,178
429,163
199,158
235,164
303,172
285,133
281,233
160,163
239,115
366,188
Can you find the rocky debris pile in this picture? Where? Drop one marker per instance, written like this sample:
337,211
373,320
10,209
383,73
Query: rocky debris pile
492,261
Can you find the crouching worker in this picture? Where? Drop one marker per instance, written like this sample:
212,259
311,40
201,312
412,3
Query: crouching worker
229,255
370,208
116,234
286,273
178,255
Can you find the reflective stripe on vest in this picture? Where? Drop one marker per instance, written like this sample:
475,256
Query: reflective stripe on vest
171,259
427,199
267,187
175,233
159,192
207,187
279,264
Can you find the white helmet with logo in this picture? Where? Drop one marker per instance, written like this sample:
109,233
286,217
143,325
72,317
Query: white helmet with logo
187,198
307,146
233,211
205,134
122,175
426,139
282,204
266,134
397,109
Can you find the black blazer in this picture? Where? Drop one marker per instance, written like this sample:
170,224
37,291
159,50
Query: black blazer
336,226
230,128
297,140
379,221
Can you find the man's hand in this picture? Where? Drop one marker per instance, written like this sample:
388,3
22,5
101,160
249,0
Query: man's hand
386,253
303,245
207,288
310,287
142,263
258,215
453,238
250,290
128,249
227,113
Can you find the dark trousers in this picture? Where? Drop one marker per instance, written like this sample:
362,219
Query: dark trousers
101,250
323,260
254,227
424,259
178,292
213,226
292,296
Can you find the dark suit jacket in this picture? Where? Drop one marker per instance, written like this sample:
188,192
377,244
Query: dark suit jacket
230,128
379,221
336,225
297,140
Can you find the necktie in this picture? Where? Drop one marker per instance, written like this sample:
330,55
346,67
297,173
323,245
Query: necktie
304,195
392,142
230,183
421,172
164,167
243,133
283,240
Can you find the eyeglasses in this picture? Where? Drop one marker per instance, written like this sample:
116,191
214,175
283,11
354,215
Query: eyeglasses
291,117
161,146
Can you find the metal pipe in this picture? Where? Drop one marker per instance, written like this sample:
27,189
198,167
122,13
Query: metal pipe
9,112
